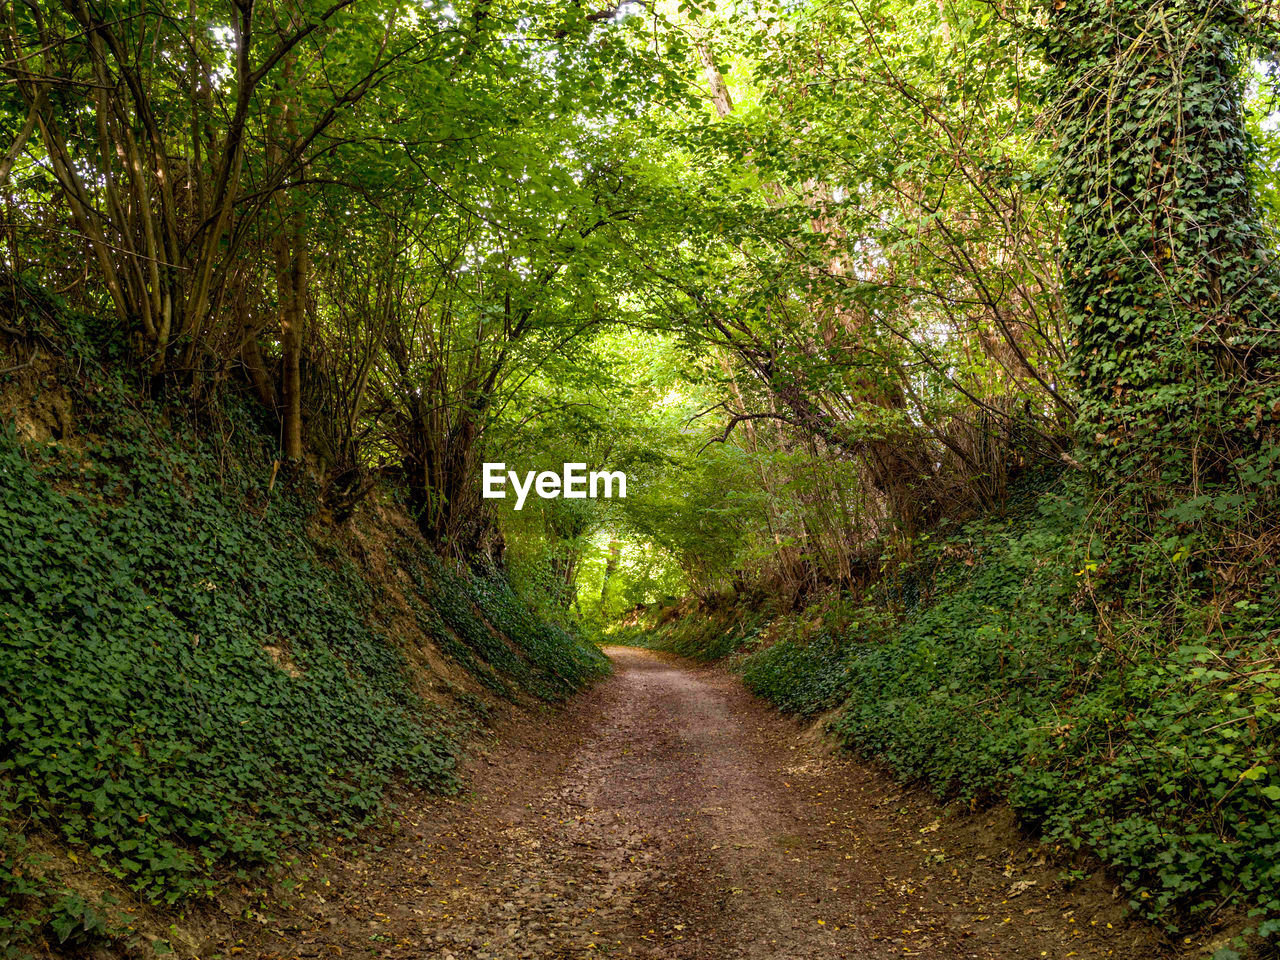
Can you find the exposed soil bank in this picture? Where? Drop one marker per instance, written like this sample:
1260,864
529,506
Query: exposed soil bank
667,813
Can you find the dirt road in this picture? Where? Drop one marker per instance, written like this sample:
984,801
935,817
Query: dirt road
667,813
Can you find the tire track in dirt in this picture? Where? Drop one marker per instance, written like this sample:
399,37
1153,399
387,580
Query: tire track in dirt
667,813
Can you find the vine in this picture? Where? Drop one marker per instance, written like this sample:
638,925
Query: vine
1170,277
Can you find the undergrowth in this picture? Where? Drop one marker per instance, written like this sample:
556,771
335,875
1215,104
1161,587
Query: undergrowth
1154,749
191,683
475,612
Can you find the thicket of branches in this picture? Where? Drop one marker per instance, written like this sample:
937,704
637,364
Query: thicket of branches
863,265
375,217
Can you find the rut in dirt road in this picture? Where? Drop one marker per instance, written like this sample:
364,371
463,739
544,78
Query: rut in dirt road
667,813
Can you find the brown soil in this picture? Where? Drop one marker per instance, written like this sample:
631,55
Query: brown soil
667,813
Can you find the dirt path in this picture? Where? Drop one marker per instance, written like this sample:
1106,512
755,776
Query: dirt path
667,813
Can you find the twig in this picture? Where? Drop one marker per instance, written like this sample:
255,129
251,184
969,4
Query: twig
35,355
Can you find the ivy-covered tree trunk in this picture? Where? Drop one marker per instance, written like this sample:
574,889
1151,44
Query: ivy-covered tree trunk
1168,272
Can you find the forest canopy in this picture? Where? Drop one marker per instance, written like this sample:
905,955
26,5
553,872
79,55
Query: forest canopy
959,317
821,275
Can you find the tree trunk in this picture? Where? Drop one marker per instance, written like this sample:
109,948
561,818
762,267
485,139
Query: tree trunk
292,270
1168,280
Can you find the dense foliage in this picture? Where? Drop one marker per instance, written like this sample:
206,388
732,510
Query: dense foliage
192,682
835,283
977,670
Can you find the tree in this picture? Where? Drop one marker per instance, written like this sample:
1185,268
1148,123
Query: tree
1171,282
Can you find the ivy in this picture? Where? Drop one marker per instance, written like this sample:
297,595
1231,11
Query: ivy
191,682
990,682
1170,282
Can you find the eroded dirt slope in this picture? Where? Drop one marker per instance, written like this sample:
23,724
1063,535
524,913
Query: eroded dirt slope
667,813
